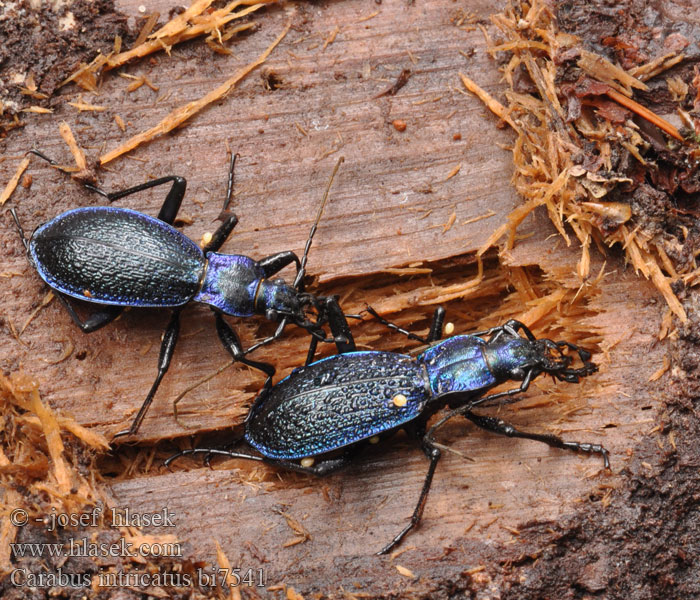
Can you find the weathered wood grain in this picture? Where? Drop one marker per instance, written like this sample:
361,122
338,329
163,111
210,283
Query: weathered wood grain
389,207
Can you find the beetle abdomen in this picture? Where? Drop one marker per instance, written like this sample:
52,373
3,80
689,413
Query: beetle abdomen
117,256
335,402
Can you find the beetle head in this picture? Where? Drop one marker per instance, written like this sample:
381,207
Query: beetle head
514,357
277,299
556,363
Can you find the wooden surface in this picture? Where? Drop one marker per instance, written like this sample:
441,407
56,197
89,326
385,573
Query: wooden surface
389,207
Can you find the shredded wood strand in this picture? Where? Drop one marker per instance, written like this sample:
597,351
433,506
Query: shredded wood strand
12,184
183,113
547,138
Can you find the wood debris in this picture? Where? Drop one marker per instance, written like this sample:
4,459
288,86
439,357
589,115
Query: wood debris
566,100
12,184
195,21
183,113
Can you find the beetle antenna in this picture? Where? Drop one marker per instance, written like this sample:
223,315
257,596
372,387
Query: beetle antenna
229,187
302,268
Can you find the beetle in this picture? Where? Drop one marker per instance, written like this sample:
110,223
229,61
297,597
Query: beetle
316,419
117,257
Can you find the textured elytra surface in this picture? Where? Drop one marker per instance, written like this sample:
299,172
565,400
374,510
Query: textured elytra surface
117,256
337,401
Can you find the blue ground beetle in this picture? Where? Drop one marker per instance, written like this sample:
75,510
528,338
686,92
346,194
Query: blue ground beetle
316,419
116,257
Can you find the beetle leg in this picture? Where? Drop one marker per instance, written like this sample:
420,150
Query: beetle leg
433,453
512,326
271,338
273,264
436,326
470,402
434,334
210,451
221,234
97,319
229,219
501,427
232,343
22,237
338,325
167,348
320,469
331,312
172,202
229,186
313,344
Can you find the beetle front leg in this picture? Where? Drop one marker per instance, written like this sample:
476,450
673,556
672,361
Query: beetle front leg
511,326
340,330
232,343
221,234
470,403
273,264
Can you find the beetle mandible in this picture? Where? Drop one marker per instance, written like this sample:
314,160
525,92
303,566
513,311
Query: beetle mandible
340,403
117,257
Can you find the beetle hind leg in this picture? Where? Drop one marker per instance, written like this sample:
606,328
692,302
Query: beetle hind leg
434,334
97,319
166,353
501,427
433,453
20,230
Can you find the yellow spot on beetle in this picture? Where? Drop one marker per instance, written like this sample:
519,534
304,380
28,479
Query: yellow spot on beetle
307,462
449,328
206,238
87,293
399,400
374,439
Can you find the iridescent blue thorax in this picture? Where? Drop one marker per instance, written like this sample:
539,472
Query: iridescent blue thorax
511,358
457,365
230,284
237,286
466,363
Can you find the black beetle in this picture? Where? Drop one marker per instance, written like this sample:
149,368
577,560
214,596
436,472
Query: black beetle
117,257
324,412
